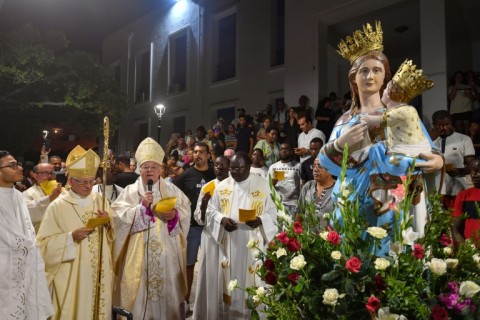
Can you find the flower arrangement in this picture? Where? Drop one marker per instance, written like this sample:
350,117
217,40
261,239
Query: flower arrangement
335,272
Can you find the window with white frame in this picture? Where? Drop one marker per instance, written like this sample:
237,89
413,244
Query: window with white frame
143,75
178,61
226,46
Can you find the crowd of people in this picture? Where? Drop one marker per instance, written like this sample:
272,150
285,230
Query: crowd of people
79,245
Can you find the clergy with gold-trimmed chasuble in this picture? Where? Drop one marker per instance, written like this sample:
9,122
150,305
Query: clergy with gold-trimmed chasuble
150,246
71,250
240,191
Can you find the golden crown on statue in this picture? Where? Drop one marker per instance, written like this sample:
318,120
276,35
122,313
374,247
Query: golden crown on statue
411,79
362,42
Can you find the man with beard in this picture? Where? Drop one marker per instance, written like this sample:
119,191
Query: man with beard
231,199
286,178
191,182
458,152
23,285
40,195
208,294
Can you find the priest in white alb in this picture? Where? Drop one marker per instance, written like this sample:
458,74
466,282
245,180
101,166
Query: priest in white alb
23,287
42,193
150,248
241,190
71,250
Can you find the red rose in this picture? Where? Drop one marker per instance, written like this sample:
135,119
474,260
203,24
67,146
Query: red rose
333,237
439,313
293,245
373,304
283,237
297,227
417,251
271,278
293,278
445,240
380,283
353,265
269,265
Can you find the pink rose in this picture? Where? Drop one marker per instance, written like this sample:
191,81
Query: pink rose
283,237
373,304
353,265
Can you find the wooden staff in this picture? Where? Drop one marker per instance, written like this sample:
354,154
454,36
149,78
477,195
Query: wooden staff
106,166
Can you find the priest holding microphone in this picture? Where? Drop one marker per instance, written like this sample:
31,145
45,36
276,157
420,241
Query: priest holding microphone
151,219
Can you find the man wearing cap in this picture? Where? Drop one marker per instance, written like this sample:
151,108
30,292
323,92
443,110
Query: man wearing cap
150,245
42,193
23,286
71,250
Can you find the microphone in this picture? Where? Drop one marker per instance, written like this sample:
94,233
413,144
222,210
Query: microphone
149,187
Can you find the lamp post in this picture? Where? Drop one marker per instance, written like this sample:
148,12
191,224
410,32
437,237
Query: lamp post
159,110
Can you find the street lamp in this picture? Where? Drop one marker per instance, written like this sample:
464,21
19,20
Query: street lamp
159,110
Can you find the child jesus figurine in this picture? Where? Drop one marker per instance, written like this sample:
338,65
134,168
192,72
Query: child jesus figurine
403,130
406,141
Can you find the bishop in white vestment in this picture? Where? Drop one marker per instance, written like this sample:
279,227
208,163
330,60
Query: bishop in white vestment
150,248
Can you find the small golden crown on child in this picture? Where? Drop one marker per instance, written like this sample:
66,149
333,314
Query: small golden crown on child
411,79
361,43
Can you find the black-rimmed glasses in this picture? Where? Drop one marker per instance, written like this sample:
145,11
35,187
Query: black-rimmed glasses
13,165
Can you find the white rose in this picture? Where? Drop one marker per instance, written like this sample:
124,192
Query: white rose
384,314
409,236
232,285
326,216
437,266
381,264
260,291
330,297
336,255
281,252
451,263
447,251
469,288
377,232
256,299
476,258
252,243
324,235
256,253
298,262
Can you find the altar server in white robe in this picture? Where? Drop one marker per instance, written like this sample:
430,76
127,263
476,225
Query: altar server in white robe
240,191
23,286
42,193
208,294
150,246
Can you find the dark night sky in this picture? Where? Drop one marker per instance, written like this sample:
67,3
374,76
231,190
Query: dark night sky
85,22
